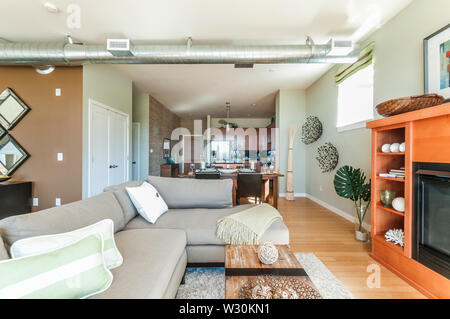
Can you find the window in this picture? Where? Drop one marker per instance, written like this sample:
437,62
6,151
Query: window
355,100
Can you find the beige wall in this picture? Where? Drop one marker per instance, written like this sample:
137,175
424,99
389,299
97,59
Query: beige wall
290,110
141,105
52,126
398,72
104,84
161,124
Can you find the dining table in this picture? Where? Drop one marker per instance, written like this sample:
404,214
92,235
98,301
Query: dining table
269,187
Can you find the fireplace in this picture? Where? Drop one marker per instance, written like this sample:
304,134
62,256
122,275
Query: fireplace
431,241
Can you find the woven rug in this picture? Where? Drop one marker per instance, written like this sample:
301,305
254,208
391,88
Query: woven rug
209,283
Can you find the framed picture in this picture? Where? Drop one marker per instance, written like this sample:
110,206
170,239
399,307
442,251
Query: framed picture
437,62
166,148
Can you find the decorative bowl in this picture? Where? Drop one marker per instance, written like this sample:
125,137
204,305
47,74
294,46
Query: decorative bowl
387,197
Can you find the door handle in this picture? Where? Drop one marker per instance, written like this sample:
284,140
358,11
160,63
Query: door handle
113,166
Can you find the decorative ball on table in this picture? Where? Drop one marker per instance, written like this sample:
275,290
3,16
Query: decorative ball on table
268,253
311,130
399,204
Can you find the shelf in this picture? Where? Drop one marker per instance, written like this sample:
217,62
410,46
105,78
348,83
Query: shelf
384,154
381,239
391,179
390,210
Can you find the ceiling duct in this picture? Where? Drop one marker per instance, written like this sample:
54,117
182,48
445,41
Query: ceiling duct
65,53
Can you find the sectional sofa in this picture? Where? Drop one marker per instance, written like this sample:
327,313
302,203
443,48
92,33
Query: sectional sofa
155,255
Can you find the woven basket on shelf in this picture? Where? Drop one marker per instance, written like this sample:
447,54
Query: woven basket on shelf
408,104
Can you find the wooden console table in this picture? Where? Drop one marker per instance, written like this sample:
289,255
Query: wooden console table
269,186
15,198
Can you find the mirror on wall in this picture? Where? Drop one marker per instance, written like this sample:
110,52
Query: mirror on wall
12,155
12,109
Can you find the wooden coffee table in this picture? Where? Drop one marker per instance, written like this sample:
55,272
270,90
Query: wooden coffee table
242,263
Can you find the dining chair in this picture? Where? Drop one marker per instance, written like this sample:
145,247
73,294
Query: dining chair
249,185
207,175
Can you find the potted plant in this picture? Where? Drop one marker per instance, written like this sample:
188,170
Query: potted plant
351,183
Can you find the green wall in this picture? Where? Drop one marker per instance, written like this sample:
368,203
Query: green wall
290,109
104,84
141,110
398,72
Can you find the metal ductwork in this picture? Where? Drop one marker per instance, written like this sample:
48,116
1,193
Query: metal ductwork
78,54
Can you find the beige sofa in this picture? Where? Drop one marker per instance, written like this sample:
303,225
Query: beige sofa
155,255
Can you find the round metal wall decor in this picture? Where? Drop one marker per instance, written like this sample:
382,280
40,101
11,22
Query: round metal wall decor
328,157
311,130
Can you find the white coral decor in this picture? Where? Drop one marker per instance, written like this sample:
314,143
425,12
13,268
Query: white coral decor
396,236
268,253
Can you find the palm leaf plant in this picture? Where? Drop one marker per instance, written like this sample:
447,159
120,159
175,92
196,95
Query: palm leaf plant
351,183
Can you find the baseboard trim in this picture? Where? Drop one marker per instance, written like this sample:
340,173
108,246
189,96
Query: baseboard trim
295,194
336,210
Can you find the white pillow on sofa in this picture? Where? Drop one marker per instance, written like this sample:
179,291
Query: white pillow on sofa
41,244
148,202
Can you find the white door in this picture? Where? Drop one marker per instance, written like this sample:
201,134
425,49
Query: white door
118,163
99,155
136,138
108,148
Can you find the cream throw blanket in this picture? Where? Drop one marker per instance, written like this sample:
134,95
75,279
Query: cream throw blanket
246,227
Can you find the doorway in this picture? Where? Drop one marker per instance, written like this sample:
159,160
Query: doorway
108,148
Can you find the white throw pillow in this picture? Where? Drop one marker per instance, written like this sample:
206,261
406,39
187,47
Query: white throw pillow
42,244
148,202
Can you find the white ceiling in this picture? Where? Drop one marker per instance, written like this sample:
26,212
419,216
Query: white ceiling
197,90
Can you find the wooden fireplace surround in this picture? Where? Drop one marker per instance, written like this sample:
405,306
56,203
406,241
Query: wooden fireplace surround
426,133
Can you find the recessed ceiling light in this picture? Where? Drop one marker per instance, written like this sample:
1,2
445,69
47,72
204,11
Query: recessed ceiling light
51,7
254,104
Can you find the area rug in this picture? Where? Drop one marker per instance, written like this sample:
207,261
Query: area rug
209,283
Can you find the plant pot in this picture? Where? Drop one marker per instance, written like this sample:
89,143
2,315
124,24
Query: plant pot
360,233
361,236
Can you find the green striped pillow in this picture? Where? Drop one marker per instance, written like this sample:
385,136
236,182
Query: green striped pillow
41,244
74,271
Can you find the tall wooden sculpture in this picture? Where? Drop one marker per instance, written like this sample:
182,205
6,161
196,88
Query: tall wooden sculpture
290,167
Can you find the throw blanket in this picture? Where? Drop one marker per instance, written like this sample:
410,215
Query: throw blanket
246,227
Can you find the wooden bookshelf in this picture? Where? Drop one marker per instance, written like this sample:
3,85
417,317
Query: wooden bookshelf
426,134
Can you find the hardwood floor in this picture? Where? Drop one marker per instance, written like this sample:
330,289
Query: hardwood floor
315,229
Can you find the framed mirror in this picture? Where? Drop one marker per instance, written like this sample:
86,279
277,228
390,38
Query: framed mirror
12,109
12,155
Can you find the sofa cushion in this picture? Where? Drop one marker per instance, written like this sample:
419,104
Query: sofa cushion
194,193
129,211
200,225
3,251
63,219
150,256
